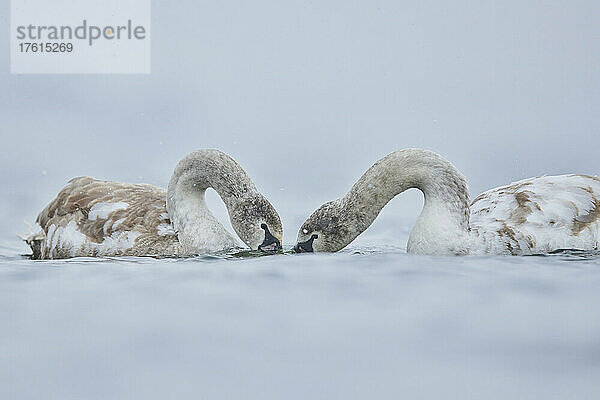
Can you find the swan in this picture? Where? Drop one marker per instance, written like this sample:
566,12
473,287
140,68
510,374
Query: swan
532,216
91,217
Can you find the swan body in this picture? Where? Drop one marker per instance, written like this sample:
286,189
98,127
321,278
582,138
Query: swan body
90,217
532,216
537,216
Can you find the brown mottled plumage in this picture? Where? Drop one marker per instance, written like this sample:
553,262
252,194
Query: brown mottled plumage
538,215
145,212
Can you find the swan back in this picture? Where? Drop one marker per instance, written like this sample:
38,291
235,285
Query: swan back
90,217
538,215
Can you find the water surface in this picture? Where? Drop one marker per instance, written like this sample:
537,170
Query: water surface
369,322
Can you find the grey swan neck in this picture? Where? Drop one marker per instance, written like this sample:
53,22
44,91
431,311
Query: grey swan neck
197,228
443,225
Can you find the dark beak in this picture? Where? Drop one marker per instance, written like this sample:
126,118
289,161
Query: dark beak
306,247
271,243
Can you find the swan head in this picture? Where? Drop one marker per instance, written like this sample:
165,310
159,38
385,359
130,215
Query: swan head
257,223
324,230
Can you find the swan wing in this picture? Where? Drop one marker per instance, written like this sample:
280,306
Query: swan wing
90,217
538,215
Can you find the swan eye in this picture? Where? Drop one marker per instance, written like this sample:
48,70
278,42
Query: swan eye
305,231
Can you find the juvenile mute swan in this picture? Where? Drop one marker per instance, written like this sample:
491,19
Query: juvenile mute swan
98,218
532,216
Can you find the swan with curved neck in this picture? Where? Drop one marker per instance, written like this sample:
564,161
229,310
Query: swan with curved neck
537,215
90,217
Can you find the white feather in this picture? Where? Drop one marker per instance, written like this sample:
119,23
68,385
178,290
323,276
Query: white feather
538,215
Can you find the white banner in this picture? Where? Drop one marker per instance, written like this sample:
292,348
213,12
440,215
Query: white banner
80,36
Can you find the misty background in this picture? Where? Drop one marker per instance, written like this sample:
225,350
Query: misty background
307,95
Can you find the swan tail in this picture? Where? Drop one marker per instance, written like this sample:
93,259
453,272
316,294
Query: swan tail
35,240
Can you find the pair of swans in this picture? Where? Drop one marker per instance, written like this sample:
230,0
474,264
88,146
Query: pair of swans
98,218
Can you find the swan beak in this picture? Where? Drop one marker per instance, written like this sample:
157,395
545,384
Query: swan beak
271,243
305,247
